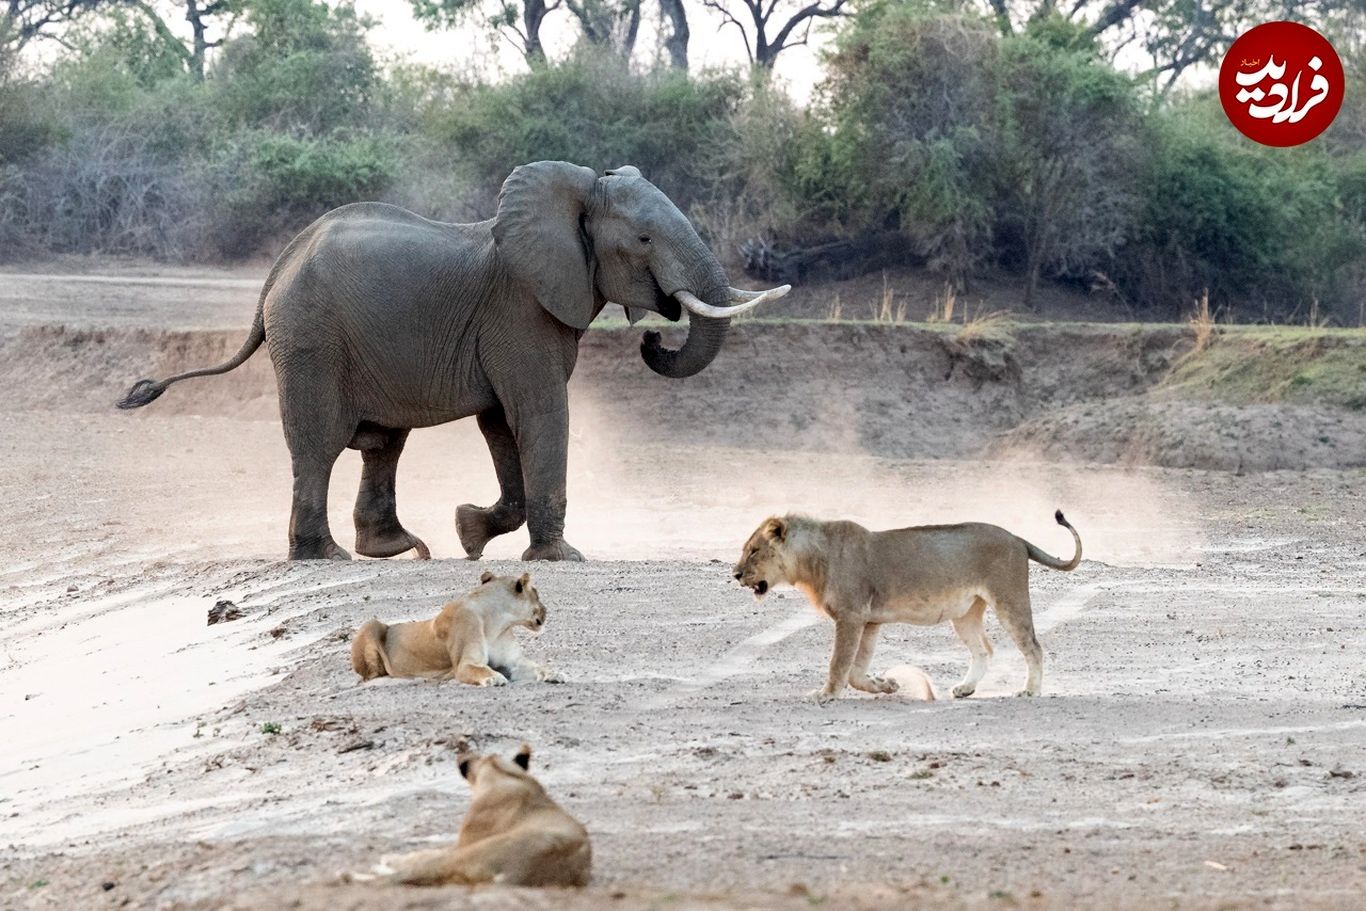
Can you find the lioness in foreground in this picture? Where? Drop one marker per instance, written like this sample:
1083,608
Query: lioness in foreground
513,834
862,579
470,640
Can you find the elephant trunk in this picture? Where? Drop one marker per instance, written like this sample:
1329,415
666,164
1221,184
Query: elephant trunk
705,337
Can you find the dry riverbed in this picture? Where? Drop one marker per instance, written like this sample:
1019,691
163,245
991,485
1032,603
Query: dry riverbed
1200,743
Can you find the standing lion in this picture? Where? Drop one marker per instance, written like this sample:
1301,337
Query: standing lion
924,575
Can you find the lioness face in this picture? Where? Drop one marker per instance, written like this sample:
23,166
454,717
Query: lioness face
483,772
529,611
762,563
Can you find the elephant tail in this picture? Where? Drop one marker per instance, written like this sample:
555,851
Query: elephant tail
146,391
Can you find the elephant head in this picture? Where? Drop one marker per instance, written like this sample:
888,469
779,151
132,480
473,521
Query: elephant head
578,241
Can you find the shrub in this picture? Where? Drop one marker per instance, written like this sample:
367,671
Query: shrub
1064,151
275,185
909,101
592,110
305,68
1266,231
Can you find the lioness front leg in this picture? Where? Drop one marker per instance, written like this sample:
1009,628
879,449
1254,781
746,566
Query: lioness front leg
848,634
859,678
477,675
524,671
507,654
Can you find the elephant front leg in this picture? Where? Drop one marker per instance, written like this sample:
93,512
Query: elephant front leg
543,442
378,531
478,525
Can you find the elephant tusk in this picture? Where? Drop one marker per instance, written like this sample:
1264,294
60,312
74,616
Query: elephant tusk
701,308
737,294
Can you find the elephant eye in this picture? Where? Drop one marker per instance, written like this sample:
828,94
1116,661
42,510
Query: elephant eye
644,238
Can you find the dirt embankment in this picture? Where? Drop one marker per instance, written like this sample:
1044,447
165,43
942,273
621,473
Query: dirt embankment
1255,399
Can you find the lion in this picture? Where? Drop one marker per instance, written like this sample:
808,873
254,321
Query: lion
513,834
924,575
470,640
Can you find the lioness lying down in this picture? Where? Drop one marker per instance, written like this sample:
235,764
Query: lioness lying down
470,640
862,579
513,834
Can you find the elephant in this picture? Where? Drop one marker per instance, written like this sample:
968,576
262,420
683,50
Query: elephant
378,320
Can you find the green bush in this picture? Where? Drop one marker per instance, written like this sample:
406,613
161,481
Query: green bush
277,184
593,110
1266,231
305,68
1065,148
908,99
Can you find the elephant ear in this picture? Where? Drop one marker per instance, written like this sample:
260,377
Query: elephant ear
540,238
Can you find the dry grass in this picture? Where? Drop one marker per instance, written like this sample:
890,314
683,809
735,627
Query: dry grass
836,310
943,309
886,310
995,324
1202,323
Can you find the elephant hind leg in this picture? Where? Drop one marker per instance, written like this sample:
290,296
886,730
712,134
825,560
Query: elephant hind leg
310,538
478,525
378,531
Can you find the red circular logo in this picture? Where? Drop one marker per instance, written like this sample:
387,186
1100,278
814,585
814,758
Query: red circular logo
1281,83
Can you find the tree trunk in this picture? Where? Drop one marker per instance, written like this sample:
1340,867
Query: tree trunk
677,42
628,41
200,49
533,14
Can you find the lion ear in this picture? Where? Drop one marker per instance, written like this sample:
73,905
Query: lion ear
523,582
776,530
465,761
523,757
486,577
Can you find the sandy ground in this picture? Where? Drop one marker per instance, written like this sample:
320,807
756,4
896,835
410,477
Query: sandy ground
1200,743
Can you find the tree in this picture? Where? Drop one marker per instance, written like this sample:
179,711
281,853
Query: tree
1066,150
910,99
197,13
520,24
758,20
23,20
676,42
1178,34
613,24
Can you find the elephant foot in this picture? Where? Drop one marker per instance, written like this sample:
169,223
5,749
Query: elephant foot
326,549
478,525
554,550
390,542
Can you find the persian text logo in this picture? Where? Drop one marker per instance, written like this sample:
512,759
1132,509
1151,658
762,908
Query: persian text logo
1281,83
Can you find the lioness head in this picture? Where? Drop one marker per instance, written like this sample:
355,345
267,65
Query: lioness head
486,772
763,562
522,598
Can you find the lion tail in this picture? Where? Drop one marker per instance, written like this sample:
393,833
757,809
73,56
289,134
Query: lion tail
367,651
1039,556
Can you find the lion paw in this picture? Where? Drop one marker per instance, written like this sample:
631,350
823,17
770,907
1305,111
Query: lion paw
880,685
546,675
821,696
494,679
1027,692
963,691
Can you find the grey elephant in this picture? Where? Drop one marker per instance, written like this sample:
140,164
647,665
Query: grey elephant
378,320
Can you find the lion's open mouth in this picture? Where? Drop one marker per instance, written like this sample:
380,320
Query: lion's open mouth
760,588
